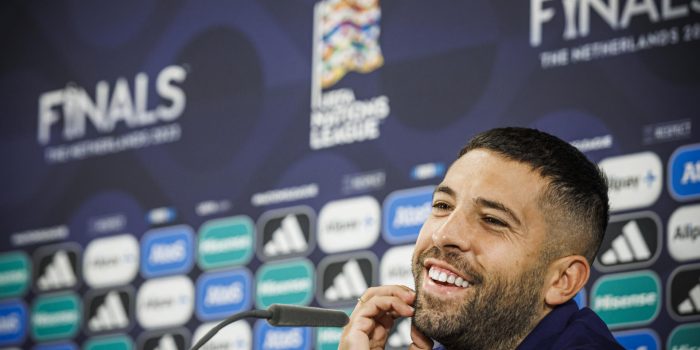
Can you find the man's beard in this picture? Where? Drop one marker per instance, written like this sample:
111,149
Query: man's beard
498,315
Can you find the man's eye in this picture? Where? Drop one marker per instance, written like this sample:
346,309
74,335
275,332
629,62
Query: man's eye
494,221
441,206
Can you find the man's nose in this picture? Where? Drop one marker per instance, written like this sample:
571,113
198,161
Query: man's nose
453,232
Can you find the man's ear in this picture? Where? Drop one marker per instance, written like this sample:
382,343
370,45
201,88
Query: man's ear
565,277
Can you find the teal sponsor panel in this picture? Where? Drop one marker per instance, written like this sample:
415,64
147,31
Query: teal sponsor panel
290,282
15,274
120,342
684,337
56,317
627,299
225,242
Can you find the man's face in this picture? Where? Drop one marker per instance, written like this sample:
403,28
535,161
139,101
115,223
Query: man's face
477,259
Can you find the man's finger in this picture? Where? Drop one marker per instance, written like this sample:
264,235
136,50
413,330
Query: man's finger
420,341
381,305
402,292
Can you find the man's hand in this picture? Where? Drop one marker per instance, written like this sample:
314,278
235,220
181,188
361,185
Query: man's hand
374,316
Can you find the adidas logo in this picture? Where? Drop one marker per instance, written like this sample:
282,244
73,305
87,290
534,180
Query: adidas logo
401,337
58,273
166,342
631,240
345,278
691,304
348,284
287,239
169,340
108,313
628,247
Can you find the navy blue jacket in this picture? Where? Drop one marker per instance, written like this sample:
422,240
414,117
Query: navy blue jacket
567,327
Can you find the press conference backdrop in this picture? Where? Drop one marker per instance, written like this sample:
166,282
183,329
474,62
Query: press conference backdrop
168,163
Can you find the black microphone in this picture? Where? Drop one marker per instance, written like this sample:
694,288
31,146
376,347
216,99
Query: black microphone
305,316
284,316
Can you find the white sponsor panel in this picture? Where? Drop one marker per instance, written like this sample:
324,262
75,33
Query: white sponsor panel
395,267
165,302
634,180
236,336
684,233
111,261
349,224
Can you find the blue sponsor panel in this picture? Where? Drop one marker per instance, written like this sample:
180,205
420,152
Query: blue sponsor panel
223,293
404,213
13,322
268,337
684,173
642,339
167,251
56,346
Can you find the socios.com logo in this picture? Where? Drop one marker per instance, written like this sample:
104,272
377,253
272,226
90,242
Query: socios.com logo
222,294
165,302
281,338
683,233
634,180
284,283
404,213
684,173
225,242
627,299
645,339
56,317
349,224
684,337
111,261
167,251
236,336
15,274
13,322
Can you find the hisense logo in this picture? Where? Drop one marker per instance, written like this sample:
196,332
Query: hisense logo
73,109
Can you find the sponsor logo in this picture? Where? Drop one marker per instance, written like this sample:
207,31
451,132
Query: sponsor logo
282,195
345,278
668,131
346,38
55,317
284,283
594,143
363,182
349,224
15,274
328,338
631,241
286,233
395,267
683,293
404,213
13,322
642,339
427,171
111,261
236,336
165,302
222,294
109,310
119,342
225,242
167,251
684,337
160,216
580,298
683,233
627,299
56,346
634,180
169,340
56,267
684,173
105,224
400,335
211,207
281,338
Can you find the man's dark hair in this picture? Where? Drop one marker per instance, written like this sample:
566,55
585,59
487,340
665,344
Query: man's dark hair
575,202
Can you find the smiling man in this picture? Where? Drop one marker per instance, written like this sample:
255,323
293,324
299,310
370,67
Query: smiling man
514,228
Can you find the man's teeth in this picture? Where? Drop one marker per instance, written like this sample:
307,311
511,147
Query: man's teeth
444,277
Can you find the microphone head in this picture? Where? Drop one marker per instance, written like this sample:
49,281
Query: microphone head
305,316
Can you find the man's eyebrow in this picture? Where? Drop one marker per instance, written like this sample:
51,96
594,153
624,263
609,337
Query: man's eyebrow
445,189
480,201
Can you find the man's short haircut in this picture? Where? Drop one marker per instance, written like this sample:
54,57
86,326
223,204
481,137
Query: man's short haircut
575,202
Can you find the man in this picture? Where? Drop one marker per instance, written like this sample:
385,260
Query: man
514,228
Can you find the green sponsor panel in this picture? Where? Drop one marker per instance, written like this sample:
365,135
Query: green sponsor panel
328,338
56,317
225,242
291,282
627,299
120,342
685,337
14,274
